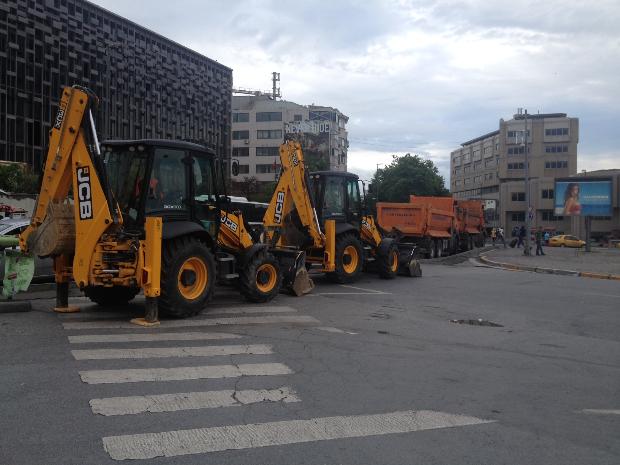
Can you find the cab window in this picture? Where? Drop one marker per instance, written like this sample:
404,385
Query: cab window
334,198
353,196
167,184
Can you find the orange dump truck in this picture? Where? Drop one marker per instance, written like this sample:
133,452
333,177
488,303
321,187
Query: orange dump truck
437,226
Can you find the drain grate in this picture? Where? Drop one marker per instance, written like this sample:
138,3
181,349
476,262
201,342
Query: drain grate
478,322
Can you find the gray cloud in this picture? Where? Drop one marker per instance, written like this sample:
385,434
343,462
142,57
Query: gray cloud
415,76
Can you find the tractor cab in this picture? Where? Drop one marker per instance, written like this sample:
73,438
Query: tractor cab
336,196
174,180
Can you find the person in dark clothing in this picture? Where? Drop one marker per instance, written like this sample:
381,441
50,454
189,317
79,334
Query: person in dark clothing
521,237
539,241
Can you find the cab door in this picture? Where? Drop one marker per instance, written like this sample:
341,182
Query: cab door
354,202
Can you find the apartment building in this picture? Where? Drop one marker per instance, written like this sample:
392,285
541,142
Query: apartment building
492,167
260,123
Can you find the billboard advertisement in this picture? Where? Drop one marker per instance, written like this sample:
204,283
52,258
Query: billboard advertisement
583,196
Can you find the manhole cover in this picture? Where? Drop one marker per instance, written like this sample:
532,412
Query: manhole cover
478,322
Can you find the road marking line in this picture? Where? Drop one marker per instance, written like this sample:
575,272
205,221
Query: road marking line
247,320
152,337
162,352
137,375
249,309
212,310
349,293
330,329
595,411
205,440
370,291
189,401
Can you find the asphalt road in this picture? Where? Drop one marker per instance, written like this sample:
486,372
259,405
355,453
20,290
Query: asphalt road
373,373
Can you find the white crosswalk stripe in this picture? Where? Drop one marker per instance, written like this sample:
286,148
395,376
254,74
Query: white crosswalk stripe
136,375
189,401
162,352
205,440
150,337
248,320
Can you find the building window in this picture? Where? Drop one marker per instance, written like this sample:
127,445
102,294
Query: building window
556,164
241,152
466,157
244,169
467,181
548,215
519,133
517,150
467,169
457,160
240,135
458,183
267,151
489,163
269,134
477,155
556,132
518,216
296,117
602,218
516,166
241,118
547,193
518,196
477,179
267,168
477,166
556,148
262,116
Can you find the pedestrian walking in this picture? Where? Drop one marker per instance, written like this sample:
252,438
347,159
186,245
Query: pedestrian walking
539,240
521,236
493,235
500,236
547,237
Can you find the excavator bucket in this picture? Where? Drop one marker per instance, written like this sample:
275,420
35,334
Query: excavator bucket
302,284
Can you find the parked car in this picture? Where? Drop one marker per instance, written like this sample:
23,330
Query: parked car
565,240
43,267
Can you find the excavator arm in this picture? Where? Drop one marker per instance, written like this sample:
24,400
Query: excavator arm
291,195
70,165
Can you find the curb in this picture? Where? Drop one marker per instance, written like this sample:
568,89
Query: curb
534,269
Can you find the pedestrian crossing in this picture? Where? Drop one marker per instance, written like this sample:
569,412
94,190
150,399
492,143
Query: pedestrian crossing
118,349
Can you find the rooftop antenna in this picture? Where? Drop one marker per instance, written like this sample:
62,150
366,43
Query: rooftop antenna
275,78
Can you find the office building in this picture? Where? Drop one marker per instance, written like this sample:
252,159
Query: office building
260,124
149,86
492,167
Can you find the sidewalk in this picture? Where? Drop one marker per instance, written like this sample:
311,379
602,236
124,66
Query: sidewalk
600,263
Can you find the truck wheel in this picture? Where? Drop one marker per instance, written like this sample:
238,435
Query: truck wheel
109,296
261,279
349,258
187,277
388,262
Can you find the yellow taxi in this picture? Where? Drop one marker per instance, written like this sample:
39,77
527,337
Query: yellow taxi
564,240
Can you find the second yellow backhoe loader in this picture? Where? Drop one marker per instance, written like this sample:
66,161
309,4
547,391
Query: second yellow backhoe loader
145,214
322,215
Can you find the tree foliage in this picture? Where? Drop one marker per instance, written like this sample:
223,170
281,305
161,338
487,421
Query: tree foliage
405,176
17,179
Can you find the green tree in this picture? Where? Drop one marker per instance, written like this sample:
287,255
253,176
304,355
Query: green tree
405,176
15,178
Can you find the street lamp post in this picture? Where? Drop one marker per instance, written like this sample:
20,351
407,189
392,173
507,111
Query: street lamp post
377,178
527,250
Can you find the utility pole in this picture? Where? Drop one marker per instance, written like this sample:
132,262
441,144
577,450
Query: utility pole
377,178
528,232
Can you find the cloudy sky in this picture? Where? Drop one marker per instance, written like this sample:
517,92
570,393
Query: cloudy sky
415,76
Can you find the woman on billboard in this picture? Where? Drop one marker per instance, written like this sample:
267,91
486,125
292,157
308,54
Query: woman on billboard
571,200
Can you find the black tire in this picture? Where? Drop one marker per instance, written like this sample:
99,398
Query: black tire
261,278
344,272
110,296
387,262
191,256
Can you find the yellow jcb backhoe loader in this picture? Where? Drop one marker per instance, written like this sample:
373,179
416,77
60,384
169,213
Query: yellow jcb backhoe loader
140,215
321,214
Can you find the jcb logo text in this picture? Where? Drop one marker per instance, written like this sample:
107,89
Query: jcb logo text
84,193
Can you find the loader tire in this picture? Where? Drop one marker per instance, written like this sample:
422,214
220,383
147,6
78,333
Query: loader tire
110,296
261,278
187,277
349,259
387,262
